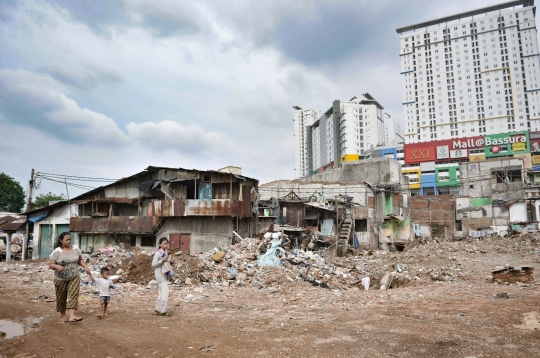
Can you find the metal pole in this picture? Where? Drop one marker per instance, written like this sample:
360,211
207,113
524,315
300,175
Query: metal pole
28,208
67,191
8,248
30,190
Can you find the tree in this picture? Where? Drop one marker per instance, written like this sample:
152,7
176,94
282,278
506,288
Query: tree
11,194
43,199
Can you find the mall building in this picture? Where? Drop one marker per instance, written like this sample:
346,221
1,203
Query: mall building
433,167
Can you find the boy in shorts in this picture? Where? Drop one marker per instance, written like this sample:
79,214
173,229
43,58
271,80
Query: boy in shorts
105,284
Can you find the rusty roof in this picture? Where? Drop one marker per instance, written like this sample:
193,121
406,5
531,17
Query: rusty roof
9,223
150,169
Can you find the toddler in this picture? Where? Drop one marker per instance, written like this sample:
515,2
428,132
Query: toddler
105,284
166,269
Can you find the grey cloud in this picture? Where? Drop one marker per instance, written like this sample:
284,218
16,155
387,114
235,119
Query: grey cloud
27,99
85,77
162,19
340,30
165,19
98,15
191,139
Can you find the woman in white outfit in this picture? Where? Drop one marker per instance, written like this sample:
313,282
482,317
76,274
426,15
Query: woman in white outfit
160,257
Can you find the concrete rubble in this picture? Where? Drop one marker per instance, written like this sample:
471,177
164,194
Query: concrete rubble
239,265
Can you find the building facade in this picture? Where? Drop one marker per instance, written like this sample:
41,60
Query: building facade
393,132
342,133
433,167
493,197
375,189
196,210
474,73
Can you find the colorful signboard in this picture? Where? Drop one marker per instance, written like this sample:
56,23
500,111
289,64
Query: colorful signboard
477,157
534,140
441,150
419,154
505,144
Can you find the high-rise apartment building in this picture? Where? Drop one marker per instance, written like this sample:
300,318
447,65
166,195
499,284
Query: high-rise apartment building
302,119
469,74
393,132
343,132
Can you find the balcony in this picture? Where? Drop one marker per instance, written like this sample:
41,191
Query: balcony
214,207
114,224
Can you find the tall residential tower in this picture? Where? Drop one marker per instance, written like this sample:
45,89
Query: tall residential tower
343,132
473,73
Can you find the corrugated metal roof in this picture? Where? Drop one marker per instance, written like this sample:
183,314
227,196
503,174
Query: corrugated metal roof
147,171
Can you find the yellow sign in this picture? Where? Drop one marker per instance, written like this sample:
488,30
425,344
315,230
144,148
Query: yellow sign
519,147
477,157
535,159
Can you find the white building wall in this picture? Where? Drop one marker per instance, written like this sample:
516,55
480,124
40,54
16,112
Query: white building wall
58,216
393,132
361,127
473,77
302,118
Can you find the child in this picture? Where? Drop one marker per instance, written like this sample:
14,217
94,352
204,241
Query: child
105,284
160,258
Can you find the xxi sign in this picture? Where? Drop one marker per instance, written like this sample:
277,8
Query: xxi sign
419,154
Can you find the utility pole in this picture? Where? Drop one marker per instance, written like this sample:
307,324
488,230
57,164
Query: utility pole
28,208
29,202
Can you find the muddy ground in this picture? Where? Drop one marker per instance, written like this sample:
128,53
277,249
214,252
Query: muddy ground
424,319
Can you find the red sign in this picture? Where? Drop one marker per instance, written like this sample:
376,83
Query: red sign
535,145
441,150
420,154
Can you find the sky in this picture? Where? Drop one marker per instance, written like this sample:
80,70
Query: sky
107,88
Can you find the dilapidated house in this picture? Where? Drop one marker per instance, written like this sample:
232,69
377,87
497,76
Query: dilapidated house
197,210
367,199
493,196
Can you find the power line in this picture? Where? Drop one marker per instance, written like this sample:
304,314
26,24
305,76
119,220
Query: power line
79,186
78,178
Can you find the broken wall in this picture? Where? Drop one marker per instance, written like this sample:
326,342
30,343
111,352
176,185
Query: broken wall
206,232
435,214
374,171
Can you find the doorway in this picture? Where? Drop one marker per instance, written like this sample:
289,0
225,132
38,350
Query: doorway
45,241
180,241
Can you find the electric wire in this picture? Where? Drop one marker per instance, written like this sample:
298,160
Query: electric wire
76,178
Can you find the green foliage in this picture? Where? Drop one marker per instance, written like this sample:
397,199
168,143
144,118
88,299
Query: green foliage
43,199
11,194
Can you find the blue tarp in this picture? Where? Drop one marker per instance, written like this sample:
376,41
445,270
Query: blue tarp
38,216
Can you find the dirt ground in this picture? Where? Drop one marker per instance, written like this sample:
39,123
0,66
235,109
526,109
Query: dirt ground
425,319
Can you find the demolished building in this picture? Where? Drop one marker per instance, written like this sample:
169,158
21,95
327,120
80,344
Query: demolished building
196,209
493,197
362,204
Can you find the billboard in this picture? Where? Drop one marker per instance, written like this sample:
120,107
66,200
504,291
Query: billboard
534,140
505,144
441,150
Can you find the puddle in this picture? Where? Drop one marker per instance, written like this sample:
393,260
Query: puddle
9,329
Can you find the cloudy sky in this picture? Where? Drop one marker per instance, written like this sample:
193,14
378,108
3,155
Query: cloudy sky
107,88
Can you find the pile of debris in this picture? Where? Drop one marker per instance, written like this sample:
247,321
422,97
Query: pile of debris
16,251
269,261
273,261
